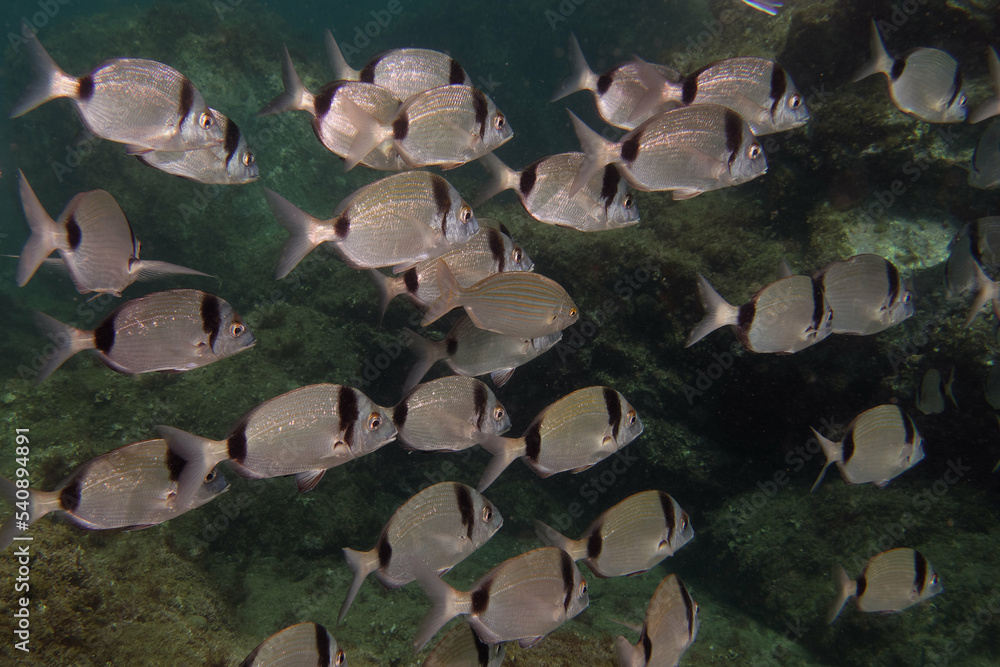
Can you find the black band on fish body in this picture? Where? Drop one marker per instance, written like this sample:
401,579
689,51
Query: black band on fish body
848,446
399,413
411,280
819,305
479,399
647,644
322,645
892,275
605,80
613,405
630,147
609,185
956,86
734,134
73,233
689,606
481,598
919,571
324,99
908,428
456,75
175,465
482,649
451,345
401,127
466,509
497,251
528,178
482,110
595,543
186,100
442,199
347,409
667,504
342,226
69,496
862,585
232,140
384,551
85,87
566,563
744,321
211,318
367,75
689,91
533,441
236,443
778,86
898,65
104,334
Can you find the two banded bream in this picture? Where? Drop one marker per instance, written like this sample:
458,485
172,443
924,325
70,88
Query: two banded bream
303,432
784,317
985,171
892,581
991,107
440,527
462,647
925,83
142,103
95,242
469,350
228,163
329,119
865,294
448,414
616,92
688,151
880,444
174,330
670,627
397,221
522,599
490,250
301,644
517,303
129,488
605,202
973,263
629,538
576,432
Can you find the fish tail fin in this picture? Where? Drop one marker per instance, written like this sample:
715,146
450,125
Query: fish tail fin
627,653
341,70
68,340
446,603
300,226
990,107
879,61
361,564
845,589
40,503
502,178
598,151
369,133
655,84
200,456
988,291
504,451
553,538
295,97
718,312
389,287
582,78
49,80
44,233
450,291
833,453
428,353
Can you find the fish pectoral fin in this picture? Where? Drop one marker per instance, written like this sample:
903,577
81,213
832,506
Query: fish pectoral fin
501,376
132,149
685,193
307,481
528,642
580,469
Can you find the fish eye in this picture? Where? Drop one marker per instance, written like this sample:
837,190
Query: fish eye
237,329
341,657
465,215
487,513
499,413
205,120
907,297
499,121
248,159
573,312
962,101
583,587
631,416
754,151
628,201
210,477
794,101
518,255
374,421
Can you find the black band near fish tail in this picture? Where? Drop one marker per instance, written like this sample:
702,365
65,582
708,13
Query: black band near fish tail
734,134
609,185
466,508
69,496
744,320
342,226
322,645
348,412
211,319
232,140
324,99
898,65
236,443
566,564
481,598
451,345
848,447
367,75
401,127
689,90
497,251
104,334
630,147
479,399
919,572
529,176
384,551
595,542
605,80
533,441
73,233
613,406
85,87
400,412
862,584
482,109
779,84
411,280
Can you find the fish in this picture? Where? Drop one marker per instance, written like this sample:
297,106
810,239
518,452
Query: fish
446,415
399,220
688,151
446,126
515,303
783,317
330,122
469,350
490,250
972,264
303,432
605,202
930,400
142,103
629,538
440,526
229,163
985,171
769,7
174,330
670,627
991,107
892,581
573,434
616,92
462,647
924,83
300,644
404,72
522,599
95,242
879,445
865,293
130,488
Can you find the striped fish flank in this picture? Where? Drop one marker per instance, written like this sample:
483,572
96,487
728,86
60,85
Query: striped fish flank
302,644
865,294
670,627
892,581
447,414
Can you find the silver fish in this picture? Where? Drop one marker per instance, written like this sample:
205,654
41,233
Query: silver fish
688,150
303,432
670,628
131,487
228,163
440,526
865,293
985,172
522,599
490,250
629,538
543,188
445,126
94,239
616,92
990,107
469,350
329,120
930,400
301,644
576,432
173,330
447,414
880,444
142,103
783,317
892,581
973,265
926,83
405,72
515,303
462,647
399,220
